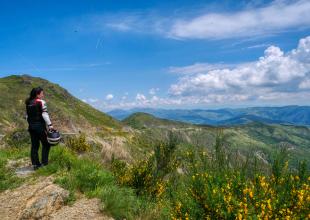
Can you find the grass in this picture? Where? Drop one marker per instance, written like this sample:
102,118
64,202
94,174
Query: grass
89,177
177,181
213,185
7,178
59,101
82,175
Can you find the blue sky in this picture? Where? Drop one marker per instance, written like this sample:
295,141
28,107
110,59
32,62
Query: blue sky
175,54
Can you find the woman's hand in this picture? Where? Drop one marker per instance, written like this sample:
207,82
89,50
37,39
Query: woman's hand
50,127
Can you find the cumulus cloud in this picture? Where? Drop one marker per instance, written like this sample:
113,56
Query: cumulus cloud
109,97
277,77
274,73
198,68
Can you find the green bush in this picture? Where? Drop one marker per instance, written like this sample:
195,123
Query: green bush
78,144
146,176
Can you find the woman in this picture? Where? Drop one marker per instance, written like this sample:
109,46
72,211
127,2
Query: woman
38,120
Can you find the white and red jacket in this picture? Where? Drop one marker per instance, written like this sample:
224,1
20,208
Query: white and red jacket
37,115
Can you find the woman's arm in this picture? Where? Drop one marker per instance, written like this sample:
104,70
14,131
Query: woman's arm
45,115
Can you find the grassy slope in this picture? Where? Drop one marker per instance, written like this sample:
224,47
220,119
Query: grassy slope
80,174
141,120
66,111
245,138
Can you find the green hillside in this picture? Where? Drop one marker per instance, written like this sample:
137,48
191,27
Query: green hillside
247,139
67,112
142,120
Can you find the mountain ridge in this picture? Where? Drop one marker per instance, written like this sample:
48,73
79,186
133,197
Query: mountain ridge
292,114
251,137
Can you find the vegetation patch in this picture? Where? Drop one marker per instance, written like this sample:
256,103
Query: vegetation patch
196,183
89,177
8,179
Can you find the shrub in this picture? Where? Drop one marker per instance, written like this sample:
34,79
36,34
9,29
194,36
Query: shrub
78,144
210,187
147,175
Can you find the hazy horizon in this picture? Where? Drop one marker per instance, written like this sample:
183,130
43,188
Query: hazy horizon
265,106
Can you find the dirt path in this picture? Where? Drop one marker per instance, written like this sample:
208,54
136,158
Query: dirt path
42,199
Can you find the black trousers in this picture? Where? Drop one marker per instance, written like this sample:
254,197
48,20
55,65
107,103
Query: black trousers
36,138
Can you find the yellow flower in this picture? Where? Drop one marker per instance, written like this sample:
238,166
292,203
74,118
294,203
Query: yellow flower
251,194
186,216
239,217
269,204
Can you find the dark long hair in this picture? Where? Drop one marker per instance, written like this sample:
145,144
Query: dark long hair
33,94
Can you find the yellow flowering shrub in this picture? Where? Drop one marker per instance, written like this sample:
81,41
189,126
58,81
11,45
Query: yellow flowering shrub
195,183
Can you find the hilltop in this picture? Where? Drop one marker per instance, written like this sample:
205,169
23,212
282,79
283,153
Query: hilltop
67,112
142,120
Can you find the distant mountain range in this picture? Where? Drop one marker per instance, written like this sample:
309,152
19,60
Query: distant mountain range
296,115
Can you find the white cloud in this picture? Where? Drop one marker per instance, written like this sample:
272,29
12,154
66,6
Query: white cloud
109,97
92,100
153,91
140,22
198,68
305,84
120,26
273,74
277,77
278,16
258,46
142,101
140,97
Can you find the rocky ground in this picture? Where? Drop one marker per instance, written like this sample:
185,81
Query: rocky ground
40,198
